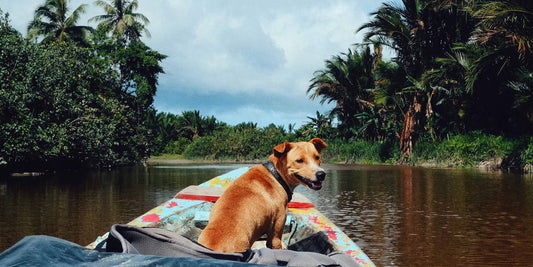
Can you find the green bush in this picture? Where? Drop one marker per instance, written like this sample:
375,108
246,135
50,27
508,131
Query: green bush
463,150
241,142
177,146
361,151
527,154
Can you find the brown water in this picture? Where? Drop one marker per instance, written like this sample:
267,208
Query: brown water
400,216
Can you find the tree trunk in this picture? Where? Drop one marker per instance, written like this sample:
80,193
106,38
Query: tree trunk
411,121
406,139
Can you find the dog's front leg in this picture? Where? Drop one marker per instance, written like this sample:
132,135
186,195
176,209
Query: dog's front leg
275,234
274,240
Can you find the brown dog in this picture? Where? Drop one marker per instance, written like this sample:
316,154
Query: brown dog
256,202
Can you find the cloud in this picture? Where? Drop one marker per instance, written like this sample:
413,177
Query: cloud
239,60
237,46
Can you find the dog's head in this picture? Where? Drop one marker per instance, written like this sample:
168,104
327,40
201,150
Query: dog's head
299,163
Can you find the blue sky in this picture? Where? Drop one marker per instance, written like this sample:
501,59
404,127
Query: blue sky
240,61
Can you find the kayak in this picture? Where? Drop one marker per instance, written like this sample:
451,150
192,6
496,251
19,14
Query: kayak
306,229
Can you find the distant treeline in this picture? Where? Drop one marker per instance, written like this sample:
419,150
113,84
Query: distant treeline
204,138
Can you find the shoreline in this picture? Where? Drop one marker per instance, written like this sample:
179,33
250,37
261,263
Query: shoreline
493,165
172,160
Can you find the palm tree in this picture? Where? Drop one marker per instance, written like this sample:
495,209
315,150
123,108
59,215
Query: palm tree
321,125
291,128
167,126
504,31
54,22
371,124
419,31
503,28
346,80
506,23
191,124
523,90
120,19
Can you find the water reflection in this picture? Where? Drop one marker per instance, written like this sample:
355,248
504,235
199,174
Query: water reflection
399,215
79,206
413,216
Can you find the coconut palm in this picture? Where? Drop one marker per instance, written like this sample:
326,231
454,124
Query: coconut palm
321,125
401,27
504,31
389,97
191,124
504,28
507,23
120,19
346,80
419,31
55,23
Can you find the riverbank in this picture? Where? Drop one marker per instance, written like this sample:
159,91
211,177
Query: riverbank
473,150
165,159
493,165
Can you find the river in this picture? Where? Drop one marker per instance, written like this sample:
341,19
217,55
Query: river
400,216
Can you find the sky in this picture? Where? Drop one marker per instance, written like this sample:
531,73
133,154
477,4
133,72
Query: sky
238,60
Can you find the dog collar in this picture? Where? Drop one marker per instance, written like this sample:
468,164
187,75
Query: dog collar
270,167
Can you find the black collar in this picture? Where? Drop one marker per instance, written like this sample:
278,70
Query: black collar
270,167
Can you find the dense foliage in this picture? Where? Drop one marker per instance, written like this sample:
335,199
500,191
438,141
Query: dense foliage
64,106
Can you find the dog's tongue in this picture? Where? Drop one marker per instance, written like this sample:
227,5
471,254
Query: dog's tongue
316,185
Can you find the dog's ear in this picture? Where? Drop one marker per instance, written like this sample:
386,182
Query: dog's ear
281,149
318,143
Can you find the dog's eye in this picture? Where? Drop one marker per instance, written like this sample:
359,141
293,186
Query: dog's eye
300,160
317,157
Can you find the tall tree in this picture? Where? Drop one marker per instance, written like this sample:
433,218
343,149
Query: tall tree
121,20
55,23
346,80
506,23
321,124
504,31
419,31
140,67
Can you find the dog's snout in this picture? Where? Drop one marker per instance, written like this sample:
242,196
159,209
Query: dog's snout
321,175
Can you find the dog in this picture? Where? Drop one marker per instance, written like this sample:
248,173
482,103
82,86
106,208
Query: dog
256,202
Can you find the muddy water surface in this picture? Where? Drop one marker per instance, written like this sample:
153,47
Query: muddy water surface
400,216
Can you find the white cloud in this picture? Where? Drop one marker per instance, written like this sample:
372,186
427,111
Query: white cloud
239,49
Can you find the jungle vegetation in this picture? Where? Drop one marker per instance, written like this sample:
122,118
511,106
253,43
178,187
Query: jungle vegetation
74,96
456,91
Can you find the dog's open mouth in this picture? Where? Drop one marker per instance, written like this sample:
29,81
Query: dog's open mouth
315,185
